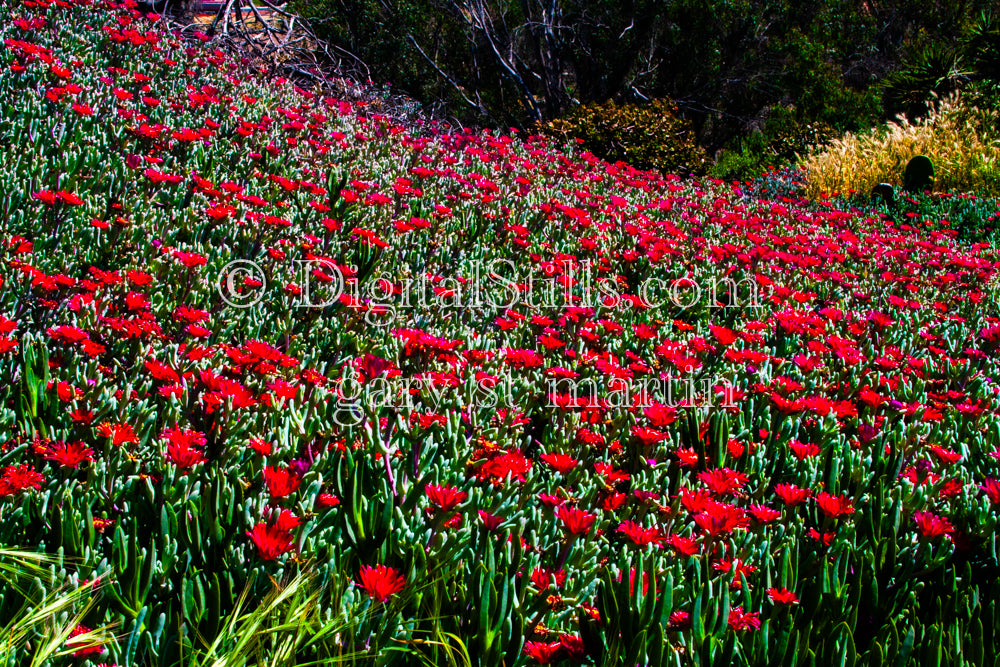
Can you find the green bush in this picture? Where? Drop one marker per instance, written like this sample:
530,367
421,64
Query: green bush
646,136
776,143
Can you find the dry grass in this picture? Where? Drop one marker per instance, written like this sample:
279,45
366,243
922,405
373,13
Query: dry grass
963,142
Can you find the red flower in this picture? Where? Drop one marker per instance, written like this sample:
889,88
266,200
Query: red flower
52,198
82,416
88,649
577,521
792,495
722,334
680,620
543,653
550,500
280,482
381,582
688,457
803,450
573,647
120,434
260,446
660,415
946,456
69,454
722,481
161,371
685,545
542,578
614,502
327,500
561,463
271,541
183,447
67,334
695,501
834,506
287,521
782,596
720,518
741,620
496,469
648,436
65,391
100,525
933,526
491,521
640,535
951,488
445,498
825,538
763,513
18,478
991,487
518,358
610,475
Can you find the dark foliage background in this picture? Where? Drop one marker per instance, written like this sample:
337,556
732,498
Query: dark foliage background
756,80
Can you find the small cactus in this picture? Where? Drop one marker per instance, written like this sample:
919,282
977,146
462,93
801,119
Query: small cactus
918,174
883,193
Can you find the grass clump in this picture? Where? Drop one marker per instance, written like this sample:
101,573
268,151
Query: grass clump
960,139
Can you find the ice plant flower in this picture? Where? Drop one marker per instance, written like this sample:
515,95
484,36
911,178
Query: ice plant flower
19,478
69,454
490,521
573,647
933,526
561,463
834,506
381,582
445,498
764,514
120,434
991,487
792,495
543,653
742,620
81,636
638,534
680,620
327,500
280,482
782,596
271,541
722,481
183,447
576,521
803,450
542,578
721,518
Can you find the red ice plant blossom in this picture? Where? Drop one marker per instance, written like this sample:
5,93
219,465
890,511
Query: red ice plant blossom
380,582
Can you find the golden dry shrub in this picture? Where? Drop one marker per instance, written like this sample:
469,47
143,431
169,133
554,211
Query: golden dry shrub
962,141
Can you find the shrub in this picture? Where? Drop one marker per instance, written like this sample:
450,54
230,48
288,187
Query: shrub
961,140
646,136
779,139
938,70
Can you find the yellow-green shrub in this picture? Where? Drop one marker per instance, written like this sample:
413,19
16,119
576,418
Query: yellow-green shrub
646,136
962,141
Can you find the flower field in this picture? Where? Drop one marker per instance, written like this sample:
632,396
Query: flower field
285,382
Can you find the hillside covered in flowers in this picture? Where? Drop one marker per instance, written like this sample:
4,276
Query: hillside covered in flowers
283,381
